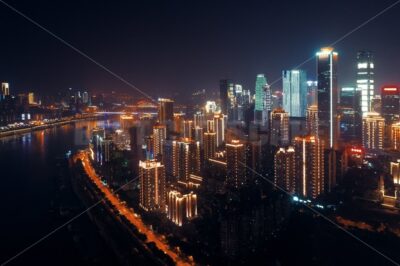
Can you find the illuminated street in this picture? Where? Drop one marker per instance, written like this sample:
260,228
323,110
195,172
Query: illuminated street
210,133
127,212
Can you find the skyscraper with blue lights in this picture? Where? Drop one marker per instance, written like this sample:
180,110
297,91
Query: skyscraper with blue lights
294,84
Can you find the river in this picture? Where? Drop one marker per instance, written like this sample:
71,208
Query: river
36,197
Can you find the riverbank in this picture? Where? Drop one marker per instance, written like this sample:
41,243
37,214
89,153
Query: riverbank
15,132
128,243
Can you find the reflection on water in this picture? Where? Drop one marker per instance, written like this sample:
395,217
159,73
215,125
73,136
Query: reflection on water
31,172
83,130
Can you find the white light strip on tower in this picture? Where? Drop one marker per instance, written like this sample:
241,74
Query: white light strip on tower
331,102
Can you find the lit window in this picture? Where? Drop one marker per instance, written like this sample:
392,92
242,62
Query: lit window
362,65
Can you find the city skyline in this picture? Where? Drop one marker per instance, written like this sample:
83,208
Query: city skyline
241,68
141,133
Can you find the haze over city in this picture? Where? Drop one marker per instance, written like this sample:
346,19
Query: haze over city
200,133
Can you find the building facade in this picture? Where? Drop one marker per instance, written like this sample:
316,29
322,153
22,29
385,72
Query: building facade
279,127
235,162
365,79
373,131
294,92
152,186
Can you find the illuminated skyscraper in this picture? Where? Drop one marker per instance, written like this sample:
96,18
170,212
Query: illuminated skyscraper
285,169
176,207
233,99
148,147
235,158
185,159
210,107
165,110
390,97
152,186
312,87
263,100
5,89
279,127
395,136
199,120
210,125
98,135
327,100
348,122
294,92
350,113
309,166
395,172
178,123
349,98
219,128
181,207
365,79
243,101
327,96
188,129
210,144
312,120
126,122
107,146
31,98
198,134
232,103
159,137
373,131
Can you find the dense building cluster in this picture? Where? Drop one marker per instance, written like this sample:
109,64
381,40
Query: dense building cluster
208,160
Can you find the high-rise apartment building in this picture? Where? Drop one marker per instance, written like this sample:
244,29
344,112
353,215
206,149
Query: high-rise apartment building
181,207
373,131
159,137
185,159
285,169
235,160
279,127
210,144
395,136
199,120
165,110
152,186
218,126
312,120
309,157
188,127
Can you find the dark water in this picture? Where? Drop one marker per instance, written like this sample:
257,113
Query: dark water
36,198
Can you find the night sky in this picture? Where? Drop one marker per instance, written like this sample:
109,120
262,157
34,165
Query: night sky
166,47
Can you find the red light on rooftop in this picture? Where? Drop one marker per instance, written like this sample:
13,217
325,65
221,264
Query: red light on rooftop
390,89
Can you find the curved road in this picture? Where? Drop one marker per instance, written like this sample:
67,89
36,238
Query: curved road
128,213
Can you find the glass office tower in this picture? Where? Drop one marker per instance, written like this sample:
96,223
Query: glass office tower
294,84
